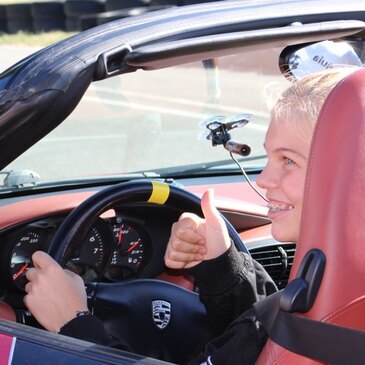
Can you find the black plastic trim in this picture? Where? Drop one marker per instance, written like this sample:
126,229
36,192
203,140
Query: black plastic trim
170,53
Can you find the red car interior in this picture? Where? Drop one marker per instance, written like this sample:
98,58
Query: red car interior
238,197
6,312
333,215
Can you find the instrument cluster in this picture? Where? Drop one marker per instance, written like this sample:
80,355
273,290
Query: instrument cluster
114,249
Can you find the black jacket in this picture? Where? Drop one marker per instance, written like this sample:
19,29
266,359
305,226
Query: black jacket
228,286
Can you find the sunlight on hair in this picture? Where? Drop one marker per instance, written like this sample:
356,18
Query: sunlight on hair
302,102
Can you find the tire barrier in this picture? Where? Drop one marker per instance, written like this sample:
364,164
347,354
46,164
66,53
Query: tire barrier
2,19
18,18
167,2
74,9
47,16
75,15
111,5
89,21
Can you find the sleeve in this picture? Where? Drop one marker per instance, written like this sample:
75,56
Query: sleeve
91,328
229,285
241,343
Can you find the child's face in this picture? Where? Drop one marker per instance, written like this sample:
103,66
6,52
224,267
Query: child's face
284,178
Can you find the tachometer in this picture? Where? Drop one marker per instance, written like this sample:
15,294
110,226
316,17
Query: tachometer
90,260
128,257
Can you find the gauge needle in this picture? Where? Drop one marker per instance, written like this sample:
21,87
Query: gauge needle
120,236
22,269
134,246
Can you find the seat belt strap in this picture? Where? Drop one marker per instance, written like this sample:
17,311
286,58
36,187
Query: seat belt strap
314,339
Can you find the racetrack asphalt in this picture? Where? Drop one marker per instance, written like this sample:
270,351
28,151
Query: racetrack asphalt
11,54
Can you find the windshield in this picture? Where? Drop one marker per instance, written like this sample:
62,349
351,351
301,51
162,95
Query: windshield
152,120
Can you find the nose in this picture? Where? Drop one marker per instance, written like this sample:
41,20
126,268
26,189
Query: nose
266,180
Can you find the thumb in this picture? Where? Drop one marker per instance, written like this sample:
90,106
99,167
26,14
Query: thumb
216,233
42,260
211,214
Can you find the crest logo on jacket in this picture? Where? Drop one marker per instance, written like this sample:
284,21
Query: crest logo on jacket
161,313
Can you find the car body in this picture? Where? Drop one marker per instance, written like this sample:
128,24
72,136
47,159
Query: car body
110,118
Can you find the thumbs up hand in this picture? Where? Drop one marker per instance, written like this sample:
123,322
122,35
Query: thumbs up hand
194,239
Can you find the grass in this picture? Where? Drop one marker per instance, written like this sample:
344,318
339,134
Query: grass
31,39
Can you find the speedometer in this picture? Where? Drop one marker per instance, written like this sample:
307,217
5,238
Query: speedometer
25,245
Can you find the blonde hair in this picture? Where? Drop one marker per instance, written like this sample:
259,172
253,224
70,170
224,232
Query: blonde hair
301,103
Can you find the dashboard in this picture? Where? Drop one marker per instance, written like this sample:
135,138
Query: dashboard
128,241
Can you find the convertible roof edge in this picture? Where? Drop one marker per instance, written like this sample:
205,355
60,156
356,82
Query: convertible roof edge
167,54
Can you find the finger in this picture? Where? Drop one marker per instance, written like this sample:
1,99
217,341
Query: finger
32,273
26,300
189,235
188,220
42,260
28,288
187,248
182,257
189,217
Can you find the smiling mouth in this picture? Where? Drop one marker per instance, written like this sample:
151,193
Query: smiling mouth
275,208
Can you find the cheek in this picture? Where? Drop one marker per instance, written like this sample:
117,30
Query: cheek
295,195
293,188
287,228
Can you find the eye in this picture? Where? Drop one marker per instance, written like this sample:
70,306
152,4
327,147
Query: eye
289,161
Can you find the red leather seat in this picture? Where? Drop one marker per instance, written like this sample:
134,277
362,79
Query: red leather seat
334,214
6,312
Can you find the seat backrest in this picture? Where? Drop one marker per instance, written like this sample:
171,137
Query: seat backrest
333,217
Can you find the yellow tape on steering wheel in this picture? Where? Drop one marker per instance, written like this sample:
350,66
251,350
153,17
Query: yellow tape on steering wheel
160,193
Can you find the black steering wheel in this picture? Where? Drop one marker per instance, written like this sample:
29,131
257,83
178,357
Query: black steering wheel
156,318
